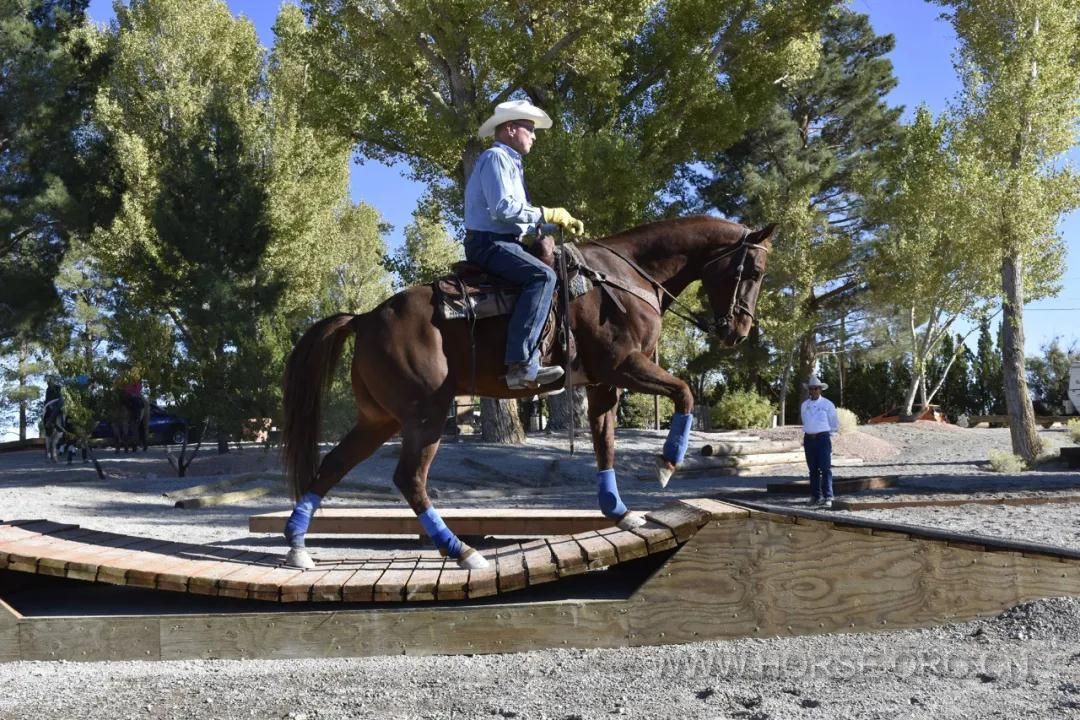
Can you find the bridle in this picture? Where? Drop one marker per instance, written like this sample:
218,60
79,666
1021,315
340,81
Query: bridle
705,324
737,304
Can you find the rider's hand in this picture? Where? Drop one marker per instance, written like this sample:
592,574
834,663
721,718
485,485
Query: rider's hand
560,216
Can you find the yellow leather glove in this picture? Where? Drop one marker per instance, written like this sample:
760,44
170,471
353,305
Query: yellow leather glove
561,217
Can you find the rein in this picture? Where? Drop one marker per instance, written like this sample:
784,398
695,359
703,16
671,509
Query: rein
704,324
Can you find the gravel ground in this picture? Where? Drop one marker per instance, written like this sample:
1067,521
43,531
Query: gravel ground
1022,664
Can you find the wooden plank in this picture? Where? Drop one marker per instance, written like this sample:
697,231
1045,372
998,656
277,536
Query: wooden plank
9,633
510,566
856,505
657,537
628,546
569,558
425,579
720,448
140,556
229,498
717,509
482,583
463,521
841,486
540,565
103,549
361,586
205,580
599,552
24,556
391,586
297,587
172,573
328,588
683,519
262,580
453,583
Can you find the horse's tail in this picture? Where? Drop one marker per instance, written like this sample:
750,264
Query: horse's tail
308,373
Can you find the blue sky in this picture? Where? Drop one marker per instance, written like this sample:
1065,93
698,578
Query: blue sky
923,65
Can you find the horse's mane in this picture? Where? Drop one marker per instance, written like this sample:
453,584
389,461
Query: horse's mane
644,234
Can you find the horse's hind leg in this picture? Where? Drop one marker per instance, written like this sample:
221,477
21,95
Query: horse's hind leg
420,442
366,437
603,400
638,372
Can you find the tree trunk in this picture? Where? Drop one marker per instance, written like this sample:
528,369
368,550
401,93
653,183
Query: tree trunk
1025,439
807,356
785,383
499,422
559,410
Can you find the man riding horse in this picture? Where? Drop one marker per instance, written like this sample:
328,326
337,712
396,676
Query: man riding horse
409,362
497,216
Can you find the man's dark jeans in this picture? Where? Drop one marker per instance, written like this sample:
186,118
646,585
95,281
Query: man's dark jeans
511,261
818,450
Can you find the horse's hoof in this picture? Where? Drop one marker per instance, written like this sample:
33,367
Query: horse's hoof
630,520
299,558
472,560
664,471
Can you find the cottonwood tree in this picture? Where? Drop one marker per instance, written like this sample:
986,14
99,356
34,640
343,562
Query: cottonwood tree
1020,106
636,88
929,267
235,228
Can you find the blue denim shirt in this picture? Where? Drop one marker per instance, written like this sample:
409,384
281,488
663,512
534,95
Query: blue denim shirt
495,194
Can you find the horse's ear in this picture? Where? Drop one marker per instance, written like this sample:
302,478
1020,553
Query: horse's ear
759,237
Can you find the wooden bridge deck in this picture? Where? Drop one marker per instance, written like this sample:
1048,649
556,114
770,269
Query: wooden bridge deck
48,548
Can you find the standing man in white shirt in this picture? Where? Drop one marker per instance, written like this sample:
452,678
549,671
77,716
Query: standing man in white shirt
820,423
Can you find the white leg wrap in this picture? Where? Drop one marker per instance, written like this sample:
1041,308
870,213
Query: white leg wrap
299,558
472,560
663,472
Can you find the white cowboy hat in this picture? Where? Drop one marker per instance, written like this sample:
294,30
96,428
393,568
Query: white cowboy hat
514,110
814,382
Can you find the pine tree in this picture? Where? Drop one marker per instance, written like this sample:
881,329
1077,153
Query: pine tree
987,387
801,167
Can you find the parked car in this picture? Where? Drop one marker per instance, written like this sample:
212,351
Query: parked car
164,428
933,413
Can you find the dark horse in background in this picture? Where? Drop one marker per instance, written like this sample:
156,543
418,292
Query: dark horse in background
409,364
53,423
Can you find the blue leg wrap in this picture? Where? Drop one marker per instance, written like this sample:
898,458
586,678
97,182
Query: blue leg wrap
608,493
300,520
678,437
442,536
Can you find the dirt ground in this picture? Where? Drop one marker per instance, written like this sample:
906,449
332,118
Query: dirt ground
1023,663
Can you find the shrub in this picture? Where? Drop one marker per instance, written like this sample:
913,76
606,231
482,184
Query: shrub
849,422
1073,428
742,409
1003,461
636,410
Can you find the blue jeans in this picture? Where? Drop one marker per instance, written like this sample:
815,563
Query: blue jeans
513,263
818,450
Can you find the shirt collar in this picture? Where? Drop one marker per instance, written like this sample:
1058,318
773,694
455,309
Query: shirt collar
513,153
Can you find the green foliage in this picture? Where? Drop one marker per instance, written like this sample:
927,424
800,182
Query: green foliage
803,166
849,423
638,410
429,251
1073,428
988,383
1048,377
1002,461
54,171
741,409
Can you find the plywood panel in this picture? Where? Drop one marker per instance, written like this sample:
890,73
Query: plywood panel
480,629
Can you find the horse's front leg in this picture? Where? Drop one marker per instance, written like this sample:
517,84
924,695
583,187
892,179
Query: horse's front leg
638,372
603,399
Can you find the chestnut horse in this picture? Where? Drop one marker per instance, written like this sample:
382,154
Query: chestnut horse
409,364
